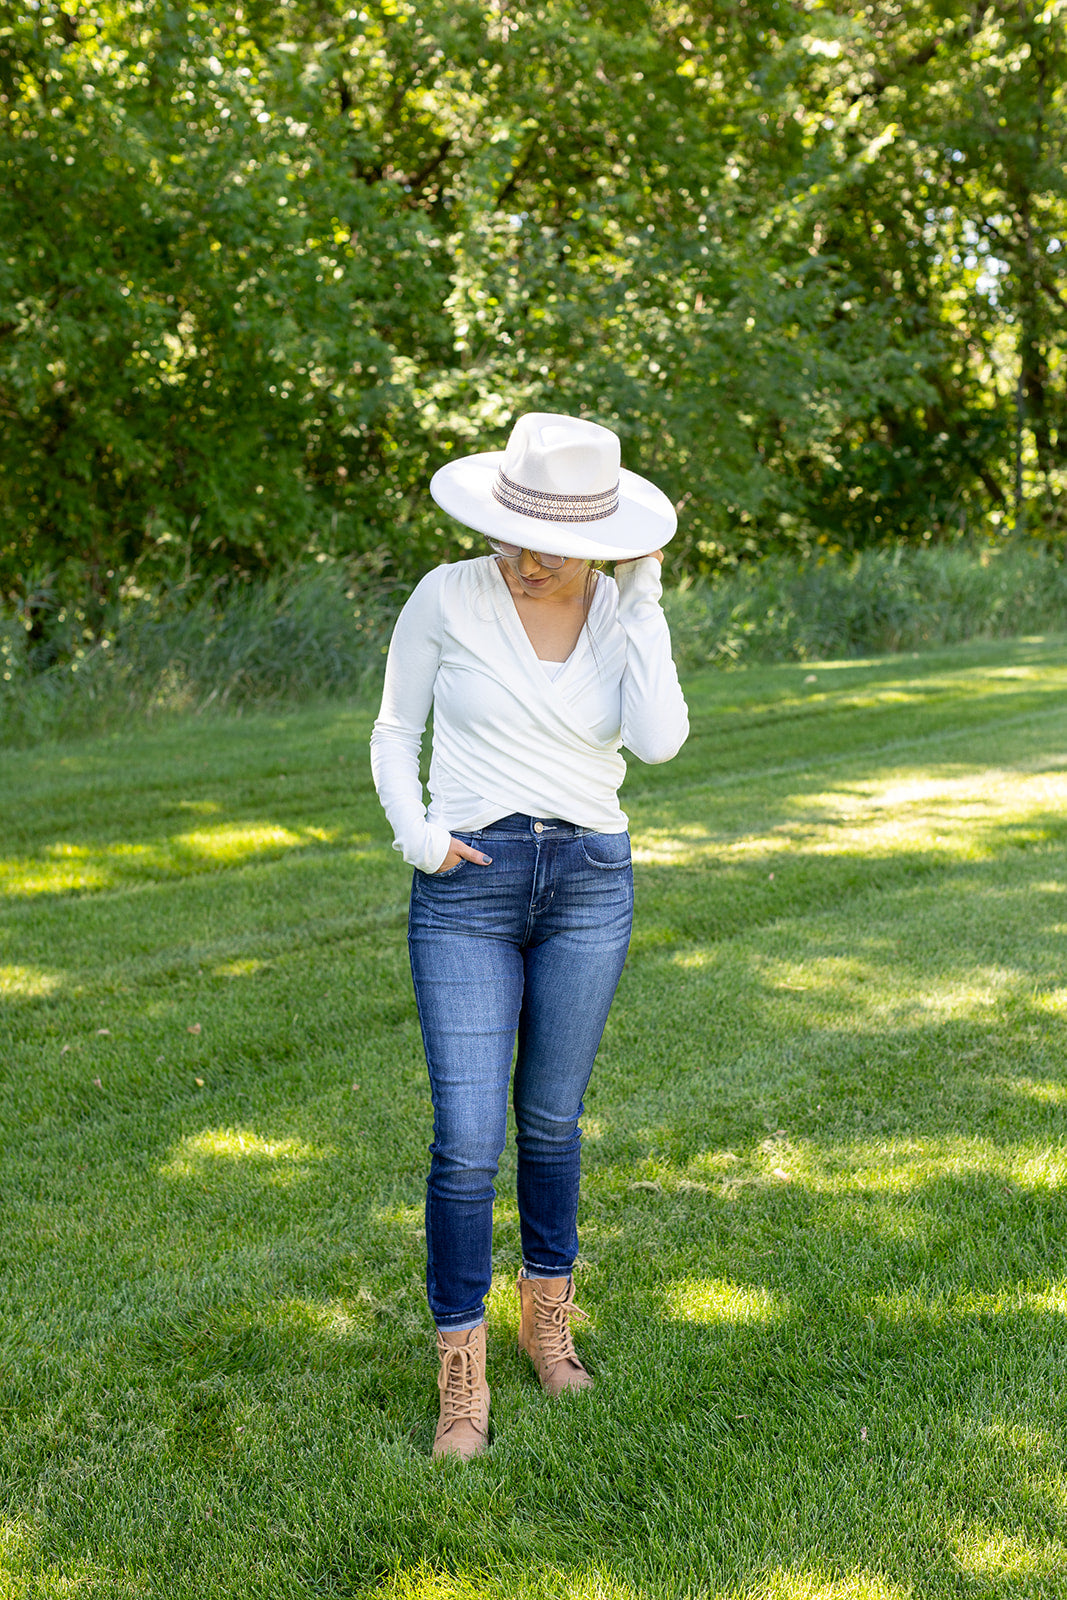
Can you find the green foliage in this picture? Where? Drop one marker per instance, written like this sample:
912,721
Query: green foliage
869,604
322,630
200,345
283,637
266,266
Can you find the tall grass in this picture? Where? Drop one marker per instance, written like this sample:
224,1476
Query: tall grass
873,603
317,632
286,638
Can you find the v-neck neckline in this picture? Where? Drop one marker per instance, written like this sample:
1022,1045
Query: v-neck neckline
514,623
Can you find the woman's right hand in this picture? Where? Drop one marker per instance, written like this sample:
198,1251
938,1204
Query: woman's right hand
457,852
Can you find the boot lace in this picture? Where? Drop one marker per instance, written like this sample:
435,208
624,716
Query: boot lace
460,1401
554,1336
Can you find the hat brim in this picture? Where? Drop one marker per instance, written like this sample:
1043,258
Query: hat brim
644,521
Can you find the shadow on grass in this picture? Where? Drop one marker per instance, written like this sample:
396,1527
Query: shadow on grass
850,1382
824,1240
262,787
776,1432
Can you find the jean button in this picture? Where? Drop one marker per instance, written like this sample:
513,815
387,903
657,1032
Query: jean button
539,827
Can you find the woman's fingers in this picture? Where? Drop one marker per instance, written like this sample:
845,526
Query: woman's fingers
658,554
458,851
468,853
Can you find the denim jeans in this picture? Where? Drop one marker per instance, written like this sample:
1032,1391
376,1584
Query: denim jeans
529,948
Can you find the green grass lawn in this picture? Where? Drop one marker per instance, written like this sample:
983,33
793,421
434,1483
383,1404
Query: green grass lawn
823,1218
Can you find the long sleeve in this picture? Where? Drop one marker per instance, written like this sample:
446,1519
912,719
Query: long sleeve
505,738
655,722
396,742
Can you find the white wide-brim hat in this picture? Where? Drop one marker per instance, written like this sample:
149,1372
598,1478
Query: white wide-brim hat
558,487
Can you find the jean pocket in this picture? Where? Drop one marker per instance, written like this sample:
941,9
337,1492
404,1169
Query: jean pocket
439,877
609,851
442,877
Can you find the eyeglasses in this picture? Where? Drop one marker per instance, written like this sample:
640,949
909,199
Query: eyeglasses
512,552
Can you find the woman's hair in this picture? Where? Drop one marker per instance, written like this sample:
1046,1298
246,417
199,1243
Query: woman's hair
591,576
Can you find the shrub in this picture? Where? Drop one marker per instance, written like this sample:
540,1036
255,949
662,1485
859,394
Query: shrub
289,637
875,602
323,630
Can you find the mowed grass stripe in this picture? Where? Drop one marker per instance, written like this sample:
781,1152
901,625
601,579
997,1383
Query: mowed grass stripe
823,1233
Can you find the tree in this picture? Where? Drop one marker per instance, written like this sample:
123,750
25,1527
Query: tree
269,265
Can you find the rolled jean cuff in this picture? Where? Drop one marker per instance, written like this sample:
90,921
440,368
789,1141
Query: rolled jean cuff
464,1325
530,1270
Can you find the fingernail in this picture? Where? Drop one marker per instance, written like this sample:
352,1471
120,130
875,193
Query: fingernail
487,861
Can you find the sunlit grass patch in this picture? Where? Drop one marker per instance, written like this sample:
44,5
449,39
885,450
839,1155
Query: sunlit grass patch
657,847
246,967
198,1153
23,1545
713,1163
713,1300
869,990
955,815
15,1535
237,842
543,1580
998,1557
63,867
502,1306
822,1218
1054,1000
959,815
18,982
910,1166
1045,1093
70,868
812,1585
331,1319
908,1305
410,1217
693,958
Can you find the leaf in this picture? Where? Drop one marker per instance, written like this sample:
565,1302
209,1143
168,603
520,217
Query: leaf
194,1027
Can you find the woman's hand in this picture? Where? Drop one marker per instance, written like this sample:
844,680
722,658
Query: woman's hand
457,852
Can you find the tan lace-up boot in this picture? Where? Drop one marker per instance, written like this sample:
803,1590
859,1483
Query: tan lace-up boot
463,1426
545,1333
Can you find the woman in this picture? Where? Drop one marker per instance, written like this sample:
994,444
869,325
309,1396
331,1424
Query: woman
537,669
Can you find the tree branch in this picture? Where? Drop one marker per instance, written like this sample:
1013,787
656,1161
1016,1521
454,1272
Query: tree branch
517,172
417,179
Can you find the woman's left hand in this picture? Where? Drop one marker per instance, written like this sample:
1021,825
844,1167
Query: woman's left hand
459,851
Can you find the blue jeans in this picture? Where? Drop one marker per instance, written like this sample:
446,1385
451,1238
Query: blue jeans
530,947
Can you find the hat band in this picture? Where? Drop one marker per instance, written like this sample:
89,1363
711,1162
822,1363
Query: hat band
554,507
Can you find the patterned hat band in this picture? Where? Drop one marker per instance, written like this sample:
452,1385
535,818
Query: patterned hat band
555,507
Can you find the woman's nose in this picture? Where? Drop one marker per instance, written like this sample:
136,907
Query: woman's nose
527,565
